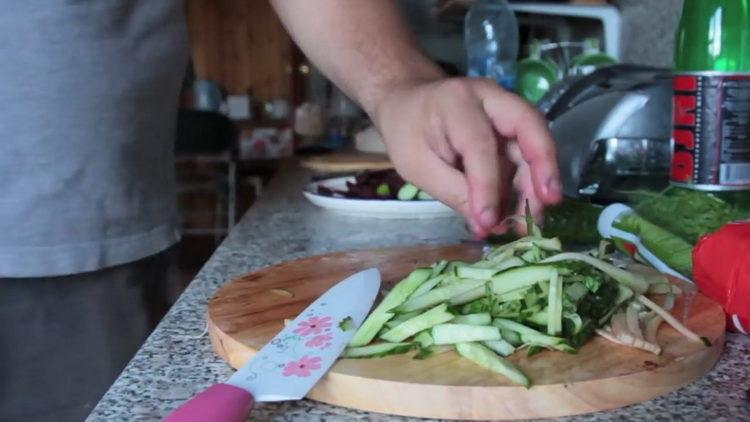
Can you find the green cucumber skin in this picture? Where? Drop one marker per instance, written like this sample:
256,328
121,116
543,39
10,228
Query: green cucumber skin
673,250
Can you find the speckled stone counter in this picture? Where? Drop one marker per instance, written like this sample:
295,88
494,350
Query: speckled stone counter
177,362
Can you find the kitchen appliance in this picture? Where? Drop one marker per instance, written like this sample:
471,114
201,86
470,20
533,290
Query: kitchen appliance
295,359
612,129
600,376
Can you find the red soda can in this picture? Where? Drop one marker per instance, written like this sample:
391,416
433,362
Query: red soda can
711,131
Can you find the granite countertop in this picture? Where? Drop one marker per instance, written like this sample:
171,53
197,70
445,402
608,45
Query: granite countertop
177,361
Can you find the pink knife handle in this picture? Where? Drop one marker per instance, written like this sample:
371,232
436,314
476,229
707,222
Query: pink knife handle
219,403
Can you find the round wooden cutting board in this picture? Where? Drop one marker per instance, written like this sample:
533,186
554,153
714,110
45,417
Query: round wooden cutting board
248,311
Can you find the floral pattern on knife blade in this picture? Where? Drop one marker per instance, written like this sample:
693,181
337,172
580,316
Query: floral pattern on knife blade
313,325
321,341
302,367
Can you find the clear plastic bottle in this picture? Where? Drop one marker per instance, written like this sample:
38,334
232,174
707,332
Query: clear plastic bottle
491,41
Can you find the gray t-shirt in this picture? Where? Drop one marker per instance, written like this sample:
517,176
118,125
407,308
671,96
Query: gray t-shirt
88,106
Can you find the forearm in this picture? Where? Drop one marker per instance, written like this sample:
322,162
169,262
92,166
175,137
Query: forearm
361,45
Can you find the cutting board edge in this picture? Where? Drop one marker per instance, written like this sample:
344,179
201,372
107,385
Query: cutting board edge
329,389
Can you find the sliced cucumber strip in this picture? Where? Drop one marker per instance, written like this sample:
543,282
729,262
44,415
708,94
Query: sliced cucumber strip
382,313
576,320
438,268
511,337
469,296
452,265
510,263
439,295
532,255
576,291
517,294
427,286
483,318
527,333
475,272
459,333
486,358
547,342
501,347
404,317
540,317
406,329
377,350
516,278
496,257
424,339
407,192
554,300
391,324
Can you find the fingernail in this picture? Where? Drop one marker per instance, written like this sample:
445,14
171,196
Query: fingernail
488,217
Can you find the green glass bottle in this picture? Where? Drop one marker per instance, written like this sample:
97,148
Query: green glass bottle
713,35
711,103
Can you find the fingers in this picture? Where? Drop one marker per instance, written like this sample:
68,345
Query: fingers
444,183
474,139
514,118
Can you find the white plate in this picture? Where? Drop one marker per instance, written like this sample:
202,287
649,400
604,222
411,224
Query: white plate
377,208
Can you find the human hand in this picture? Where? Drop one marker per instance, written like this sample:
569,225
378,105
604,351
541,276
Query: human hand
460,139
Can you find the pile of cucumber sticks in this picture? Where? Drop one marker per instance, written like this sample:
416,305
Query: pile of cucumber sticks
526,294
